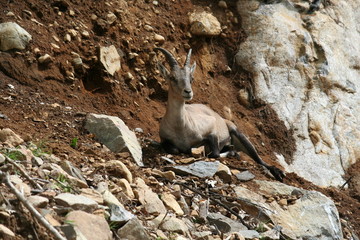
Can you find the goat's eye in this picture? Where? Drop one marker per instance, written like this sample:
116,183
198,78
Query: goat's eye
173,79
191,79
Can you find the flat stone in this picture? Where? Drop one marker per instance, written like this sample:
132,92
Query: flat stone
6,231
120,214
72,170
174,224
199,169
92,194
133,230
76,202
93,227
125,186
9,137
110,59
245,176
118,169
249,234
12,36
114,134
198,152
224,173
171,203
225,224
150,200
38,201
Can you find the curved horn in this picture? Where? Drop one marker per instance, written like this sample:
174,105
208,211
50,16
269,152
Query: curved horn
169,57
187,61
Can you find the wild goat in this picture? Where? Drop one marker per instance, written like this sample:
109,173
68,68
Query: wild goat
186,126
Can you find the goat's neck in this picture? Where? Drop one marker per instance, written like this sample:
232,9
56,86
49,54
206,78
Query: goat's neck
175,109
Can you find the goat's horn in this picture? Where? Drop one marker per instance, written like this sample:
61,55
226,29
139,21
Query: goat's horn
169,57
187,61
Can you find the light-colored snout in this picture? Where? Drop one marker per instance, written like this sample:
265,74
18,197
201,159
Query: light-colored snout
187,94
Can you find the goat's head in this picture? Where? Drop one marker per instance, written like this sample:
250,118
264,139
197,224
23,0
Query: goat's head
178,78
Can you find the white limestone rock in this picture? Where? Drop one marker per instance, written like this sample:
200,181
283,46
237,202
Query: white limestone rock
113,133
12,36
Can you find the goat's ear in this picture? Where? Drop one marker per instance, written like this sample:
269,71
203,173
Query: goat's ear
192,69
164,72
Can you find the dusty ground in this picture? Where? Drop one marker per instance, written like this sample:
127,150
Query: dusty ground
43,105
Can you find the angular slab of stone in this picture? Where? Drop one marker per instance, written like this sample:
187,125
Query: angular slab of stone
174,224
224,173
6,232
72,170
38,201
245,176
125,186
133,230
150,200
76,202
225,224
93,227
171,203
113,133
201,169
118,169
108,197
8,136
313,215
110,59
120,214
12,36
169,223
92,194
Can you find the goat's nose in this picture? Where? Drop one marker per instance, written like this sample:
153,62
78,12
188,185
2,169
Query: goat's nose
188,91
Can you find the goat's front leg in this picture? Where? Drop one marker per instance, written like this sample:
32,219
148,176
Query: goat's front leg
213,144
169,147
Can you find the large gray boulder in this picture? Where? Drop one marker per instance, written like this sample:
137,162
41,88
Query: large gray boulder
114,134
12,36
307,68
311,216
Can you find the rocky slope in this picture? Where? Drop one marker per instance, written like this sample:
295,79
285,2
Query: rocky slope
97,57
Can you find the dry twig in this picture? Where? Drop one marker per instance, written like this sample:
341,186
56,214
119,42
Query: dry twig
215,201
4,177
35,184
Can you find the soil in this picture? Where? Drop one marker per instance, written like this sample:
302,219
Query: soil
42,104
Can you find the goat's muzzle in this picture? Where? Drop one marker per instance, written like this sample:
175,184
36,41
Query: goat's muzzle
187,94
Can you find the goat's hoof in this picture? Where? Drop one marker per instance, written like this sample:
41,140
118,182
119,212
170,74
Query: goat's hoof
277,173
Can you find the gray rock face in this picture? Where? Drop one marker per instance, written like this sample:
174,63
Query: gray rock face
113,133
312,216
307,68
12,36
92,227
